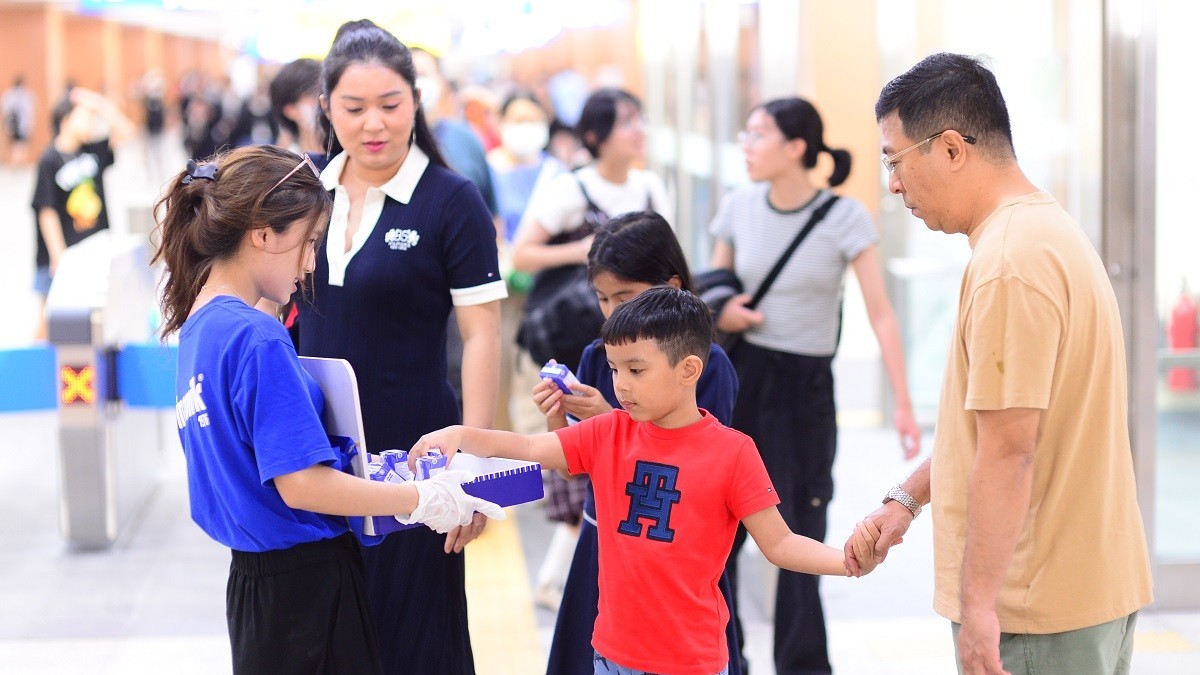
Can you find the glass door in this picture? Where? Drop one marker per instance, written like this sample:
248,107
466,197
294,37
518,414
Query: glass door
1176,293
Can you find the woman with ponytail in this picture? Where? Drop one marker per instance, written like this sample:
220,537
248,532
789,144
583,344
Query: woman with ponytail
240,228
408,239
785,399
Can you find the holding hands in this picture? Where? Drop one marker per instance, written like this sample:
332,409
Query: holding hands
860,549
890,521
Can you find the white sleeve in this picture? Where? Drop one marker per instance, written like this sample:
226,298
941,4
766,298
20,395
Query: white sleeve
558,207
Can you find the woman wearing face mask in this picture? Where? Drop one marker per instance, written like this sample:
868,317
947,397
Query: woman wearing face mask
408,239
521,162
553,240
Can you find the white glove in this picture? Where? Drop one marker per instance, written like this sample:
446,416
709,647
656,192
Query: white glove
442,505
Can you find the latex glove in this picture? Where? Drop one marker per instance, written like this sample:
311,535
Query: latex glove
442,505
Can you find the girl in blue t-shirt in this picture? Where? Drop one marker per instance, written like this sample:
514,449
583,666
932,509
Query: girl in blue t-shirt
262,476
629,254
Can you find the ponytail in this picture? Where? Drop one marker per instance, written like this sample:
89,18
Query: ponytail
797,118
208,208
841,166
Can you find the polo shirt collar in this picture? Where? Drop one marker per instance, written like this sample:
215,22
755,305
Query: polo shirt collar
399,187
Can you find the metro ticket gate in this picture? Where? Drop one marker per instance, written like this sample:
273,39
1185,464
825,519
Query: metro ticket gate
114,382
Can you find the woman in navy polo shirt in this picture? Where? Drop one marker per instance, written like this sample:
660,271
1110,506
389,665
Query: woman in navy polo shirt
407,240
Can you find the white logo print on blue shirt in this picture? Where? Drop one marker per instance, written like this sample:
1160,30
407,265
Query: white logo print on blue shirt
401,240
192,404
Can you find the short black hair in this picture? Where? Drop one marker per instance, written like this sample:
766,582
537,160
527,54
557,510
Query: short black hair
599,116
949,91
297,79
678,321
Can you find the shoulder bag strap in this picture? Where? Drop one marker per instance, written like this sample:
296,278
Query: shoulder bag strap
816,217
593,216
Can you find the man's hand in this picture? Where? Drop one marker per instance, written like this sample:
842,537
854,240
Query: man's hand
893,520
978,643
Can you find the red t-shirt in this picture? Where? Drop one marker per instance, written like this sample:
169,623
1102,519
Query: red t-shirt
668,502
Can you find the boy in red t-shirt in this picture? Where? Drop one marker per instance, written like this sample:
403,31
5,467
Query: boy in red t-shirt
671,485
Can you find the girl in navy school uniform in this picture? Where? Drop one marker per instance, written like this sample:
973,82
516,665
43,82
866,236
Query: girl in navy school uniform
241,228
629,254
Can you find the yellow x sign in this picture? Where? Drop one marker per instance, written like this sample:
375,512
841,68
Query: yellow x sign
78,384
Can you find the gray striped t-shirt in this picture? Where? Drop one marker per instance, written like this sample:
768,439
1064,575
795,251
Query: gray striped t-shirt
801,308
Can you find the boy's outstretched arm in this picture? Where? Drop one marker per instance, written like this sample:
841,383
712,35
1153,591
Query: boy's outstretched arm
786,549
545,449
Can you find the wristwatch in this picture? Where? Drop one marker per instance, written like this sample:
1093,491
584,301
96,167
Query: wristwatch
906,500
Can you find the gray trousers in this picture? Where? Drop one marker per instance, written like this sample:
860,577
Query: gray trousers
1106,649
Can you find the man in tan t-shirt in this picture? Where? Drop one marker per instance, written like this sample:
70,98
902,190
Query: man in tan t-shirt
1039,547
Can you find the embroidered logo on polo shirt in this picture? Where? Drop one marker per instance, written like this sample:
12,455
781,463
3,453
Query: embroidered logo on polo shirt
401,240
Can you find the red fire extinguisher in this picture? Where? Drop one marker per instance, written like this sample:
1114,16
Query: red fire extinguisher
1182,332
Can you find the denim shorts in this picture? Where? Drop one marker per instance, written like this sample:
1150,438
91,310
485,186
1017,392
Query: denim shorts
604,666
41,281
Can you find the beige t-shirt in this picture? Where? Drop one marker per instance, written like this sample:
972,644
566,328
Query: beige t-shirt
1038,327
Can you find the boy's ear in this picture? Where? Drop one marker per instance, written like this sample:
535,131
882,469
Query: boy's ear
690,369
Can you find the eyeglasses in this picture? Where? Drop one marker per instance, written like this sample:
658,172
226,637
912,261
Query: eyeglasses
749,137
630,121
305,159
889,161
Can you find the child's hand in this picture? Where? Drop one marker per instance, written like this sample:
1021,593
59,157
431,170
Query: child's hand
548,398
866,533
585,403
442,505
445,441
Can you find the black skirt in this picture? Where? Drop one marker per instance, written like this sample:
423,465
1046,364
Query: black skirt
418,599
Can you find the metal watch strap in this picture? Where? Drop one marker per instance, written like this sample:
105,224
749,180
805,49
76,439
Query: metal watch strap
897,494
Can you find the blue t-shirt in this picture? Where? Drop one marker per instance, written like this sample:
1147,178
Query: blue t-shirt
464,153
248,413
716,391
514,185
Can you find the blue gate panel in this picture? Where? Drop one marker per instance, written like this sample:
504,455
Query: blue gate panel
27,379
146,375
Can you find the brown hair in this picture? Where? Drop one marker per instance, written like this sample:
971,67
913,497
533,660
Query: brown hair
202,221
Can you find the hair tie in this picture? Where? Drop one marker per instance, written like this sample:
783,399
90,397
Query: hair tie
197,171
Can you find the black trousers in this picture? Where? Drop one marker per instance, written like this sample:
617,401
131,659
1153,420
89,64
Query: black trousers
785,403
301,610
